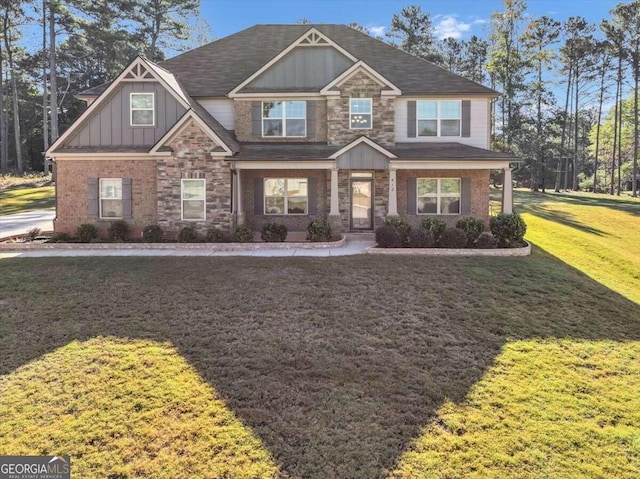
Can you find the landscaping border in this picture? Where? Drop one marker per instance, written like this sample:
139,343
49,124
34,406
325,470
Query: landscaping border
523,251
173,246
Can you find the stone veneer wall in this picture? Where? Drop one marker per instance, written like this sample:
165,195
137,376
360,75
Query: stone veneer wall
192,158
71,191
360,85
479,193
244,130
292,222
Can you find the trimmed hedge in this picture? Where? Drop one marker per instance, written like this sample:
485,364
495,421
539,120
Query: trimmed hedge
86,232
453,238
274,233
435,225
388,237
319,230
187,235
421,238
509,229
152,234
485,241
119,230
243,234
215,235
472,226
399,223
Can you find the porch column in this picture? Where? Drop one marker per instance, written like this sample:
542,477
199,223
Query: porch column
393,194
239,205
507,192
335,206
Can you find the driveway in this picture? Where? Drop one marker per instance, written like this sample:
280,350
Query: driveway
20,223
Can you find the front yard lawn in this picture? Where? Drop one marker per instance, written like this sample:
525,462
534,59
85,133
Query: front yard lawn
355,367
21,200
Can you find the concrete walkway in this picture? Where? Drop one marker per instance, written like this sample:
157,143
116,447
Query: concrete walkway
355,244
20,223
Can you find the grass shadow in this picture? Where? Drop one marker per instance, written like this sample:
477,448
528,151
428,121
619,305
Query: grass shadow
562,217
19,200
336,364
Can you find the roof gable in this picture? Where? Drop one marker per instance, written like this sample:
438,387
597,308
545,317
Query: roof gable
361,145
332,88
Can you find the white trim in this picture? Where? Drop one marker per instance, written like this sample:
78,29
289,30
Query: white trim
451,164
100,180
344,76
132,109
204,200
176,129
438,196
104,95
370,127
279,96
284,119
285,197
110,156
286,165
280,55
363,139
438,119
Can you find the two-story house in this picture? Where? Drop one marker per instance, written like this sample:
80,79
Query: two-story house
281,123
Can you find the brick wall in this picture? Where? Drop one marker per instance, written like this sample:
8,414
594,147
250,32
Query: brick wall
479,193
244,131
193,158
71,186
360,85
292,222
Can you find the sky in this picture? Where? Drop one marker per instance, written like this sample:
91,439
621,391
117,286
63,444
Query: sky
456,18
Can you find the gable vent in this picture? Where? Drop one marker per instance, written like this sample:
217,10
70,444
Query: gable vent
312,40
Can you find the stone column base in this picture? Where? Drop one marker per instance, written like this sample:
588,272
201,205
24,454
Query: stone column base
335,221
240,219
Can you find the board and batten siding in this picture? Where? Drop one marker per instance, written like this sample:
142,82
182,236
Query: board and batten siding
479,136
222,109
110,125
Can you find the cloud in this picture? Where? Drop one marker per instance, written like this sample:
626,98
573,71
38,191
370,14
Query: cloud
377,30
450,26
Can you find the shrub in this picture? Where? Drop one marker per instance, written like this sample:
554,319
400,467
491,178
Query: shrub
472,226
86,232
152,234
33,233
215,235
508,228
421,238
453,238
187,235
435,225
485,241
60,238
119,230
319,230
274,232
243,234
388,236
399,223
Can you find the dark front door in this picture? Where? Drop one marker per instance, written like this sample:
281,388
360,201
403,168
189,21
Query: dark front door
362,204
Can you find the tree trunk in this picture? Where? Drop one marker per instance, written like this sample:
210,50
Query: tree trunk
14,97
634,180
539,128
45,113
4,157
595,167
564,131
53,84
620,124
615,141
576,147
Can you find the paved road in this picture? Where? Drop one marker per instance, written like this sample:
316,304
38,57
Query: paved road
20,223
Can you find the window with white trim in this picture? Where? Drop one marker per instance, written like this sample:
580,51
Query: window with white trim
193,196
360,113
286,196
110,198
284,118
438,196
142,109
439,118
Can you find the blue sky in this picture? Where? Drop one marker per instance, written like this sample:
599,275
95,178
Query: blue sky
457,18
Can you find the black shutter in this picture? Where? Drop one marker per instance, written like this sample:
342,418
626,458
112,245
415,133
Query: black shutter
126,198
258,195
93,198
256,118
465,196
466,118
411,119
312,191
311,119
412,208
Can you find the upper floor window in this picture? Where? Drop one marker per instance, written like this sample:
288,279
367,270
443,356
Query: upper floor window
111,198
284,118
439,118
360,110
142,109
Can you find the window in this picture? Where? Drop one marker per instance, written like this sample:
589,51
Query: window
438,196
110,198
360,113
439,118
285,196
142,109
284,118
193,199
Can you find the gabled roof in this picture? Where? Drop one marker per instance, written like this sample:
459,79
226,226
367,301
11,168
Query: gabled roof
331,87
366,141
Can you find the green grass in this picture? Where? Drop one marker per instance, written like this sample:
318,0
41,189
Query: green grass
356,367
20,200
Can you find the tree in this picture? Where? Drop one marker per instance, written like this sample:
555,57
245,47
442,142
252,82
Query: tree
413,28
605,65
451,54
474,58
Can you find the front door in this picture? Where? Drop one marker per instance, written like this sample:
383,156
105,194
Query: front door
362,203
